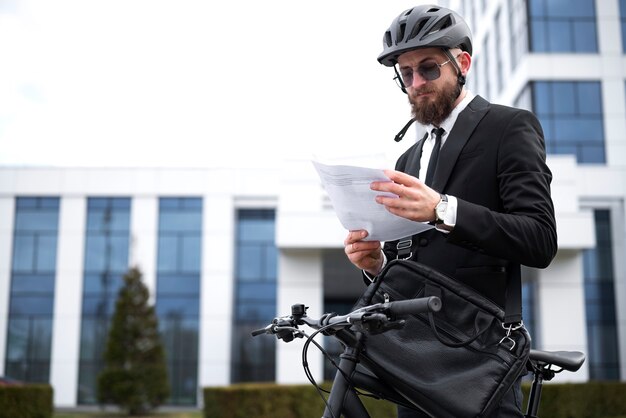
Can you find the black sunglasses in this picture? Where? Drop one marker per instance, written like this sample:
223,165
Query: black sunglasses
428,70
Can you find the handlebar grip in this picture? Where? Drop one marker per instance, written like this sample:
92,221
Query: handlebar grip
260,331
414,306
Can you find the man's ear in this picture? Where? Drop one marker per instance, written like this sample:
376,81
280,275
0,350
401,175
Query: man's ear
465,62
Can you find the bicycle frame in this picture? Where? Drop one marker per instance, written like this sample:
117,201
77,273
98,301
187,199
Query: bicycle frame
343,398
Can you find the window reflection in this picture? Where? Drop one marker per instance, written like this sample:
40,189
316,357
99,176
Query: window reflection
253,359
570,113
31,297
107,243
178,290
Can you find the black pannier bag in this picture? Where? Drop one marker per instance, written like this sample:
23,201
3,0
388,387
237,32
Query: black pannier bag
458,362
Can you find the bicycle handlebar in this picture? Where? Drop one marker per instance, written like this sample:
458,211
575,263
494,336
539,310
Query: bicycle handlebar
374,318
414,306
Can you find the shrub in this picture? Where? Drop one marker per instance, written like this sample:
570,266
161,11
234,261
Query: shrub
26,401
135,374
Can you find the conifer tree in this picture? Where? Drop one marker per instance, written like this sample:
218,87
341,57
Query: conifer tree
135,373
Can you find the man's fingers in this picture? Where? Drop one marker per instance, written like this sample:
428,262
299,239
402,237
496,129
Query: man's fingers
354,236
402,178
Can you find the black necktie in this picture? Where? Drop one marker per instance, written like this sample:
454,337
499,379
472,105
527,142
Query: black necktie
432,163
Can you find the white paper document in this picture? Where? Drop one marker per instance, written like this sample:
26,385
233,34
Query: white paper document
354,202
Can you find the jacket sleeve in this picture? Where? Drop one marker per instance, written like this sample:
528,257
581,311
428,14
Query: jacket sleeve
523,229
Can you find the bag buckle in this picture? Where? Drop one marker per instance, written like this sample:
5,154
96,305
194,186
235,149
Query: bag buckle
404,249
509,329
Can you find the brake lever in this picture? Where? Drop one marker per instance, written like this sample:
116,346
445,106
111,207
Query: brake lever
376,323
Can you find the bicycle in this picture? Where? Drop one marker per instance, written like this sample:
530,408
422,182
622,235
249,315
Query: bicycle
350,383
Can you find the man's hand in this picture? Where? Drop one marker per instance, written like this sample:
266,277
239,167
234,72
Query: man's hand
415,200
366,255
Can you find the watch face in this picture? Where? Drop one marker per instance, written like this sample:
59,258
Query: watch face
440,211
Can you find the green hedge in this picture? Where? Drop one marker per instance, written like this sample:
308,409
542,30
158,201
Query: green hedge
26,401
581,400
272,401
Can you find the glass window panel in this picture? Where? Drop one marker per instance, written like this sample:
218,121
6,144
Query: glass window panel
177,307
119,253
101,306
103,282
592,154
26,202
191,253
46,253
93,338
565,149
24,253
37,221
250,262
538,36
192,203
537,7
29,339
178,284
95,253
588,98
168,252
542,103
179,222
256,292
575,8
18,333
563,98
97,203
577,130
32,283
584,36
558,7
257,313
559,36
30,305
600,302
256,230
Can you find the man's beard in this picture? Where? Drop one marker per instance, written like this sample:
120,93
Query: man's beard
434,112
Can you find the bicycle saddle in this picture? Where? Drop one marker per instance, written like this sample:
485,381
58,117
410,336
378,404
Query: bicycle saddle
568,360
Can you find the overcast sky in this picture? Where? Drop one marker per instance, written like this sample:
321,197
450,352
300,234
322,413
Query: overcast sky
195,83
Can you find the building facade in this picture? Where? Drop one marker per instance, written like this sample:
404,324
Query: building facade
223,251
566,62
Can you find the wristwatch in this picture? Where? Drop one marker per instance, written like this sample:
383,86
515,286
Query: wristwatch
440,209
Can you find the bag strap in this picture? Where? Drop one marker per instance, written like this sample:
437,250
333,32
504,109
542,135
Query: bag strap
513,291
436,291
513,299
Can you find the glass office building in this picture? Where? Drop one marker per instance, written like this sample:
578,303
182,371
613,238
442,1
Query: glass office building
563,60
223,251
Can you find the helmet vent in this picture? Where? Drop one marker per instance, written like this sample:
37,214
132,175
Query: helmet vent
446,22
388,38
417,28
401,30
432,10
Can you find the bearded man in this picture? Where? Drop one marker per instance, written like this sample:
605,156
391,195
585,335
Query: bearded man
478,173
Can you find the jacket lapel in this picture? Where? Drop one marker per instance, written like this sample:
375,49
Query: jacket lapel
458,137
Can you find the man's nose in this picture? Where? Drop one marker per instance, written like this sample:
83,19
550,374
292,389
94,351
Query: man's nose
418,80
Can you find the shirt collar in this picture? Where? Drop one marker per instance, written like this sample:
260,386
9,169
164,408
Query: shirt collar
449,122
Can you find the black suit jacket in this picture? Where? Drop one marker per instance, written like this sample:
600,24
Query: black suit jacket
493,162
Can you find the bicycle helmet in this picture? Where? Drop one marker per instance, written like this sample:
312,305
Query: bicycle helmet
425,27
